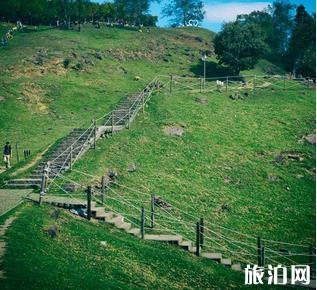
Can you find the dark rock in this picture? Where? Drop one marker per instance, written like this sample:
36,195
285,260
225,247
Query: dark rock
71,187
52,231
225,207
98,55
113,174
201,101
55,214
158,201
279,159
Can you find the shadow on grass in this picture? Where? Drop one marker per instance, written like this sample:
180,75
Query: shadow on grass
213,69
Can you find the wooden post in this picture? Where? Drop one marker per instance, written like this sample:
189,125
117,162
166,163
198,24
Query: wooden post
71,157
152,210
227,82
262,256
89,192
17,152
171,81
44,182
112,122
198,239
142,222
312,260
95,133
259,252
201,231
103,188
129,114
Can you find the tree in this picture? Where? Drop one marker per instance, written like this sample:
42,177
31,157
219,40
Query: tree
301,54
182,11
282,25
240,45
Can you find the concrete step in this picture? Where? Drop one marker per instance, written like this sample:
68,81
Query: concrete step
212,256
25,181
116,220
236,267
226,262
174,239
124,226
186,245
134,231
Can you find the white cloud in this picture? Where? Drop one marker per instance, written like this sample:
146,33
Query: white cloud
216,13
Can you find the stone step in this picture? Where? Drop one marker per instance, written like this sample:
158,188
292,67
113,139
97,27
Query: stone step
134,231
212,256
236,267
186,245
174,239
115,220
226,262
124,226
25,181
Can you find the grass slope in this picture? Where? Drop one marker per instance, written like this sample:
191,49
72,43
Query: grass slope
76,259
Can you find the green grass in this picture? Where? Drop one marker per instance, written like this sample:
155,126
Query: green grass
225,156
76,259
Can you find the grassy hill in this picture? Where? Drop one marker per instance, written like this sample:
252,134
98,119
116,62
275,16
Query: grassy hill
231,166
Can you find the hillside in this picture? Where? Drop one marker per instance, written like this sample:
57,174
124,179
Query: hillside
242,165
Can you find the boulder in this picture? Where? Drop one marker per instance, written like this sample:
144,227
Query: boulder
311,139
174,131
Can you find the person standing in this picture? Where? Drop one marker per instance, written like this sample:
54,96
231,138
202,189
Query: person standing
7,153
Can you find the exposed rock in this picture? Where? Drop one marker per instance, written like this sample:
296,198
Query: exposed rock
2,98
52,231
98,55
235,96
202,101
225,207
158,201
311,139
272,178
71,187
295,157
174,131
55,214
279,159
137,78
132,167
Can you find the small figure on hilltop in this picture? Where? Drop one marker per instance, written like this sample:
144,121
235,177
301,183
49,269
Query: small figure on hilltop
7,153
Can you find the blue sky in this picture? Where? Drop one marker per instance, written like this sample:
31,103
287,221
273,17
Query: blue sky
218,12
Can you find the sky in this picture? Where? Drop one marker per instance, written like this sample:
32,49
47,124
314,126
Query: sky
218,12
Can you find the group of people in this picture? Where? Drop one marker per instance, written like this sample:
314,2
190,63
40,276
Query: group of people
9,34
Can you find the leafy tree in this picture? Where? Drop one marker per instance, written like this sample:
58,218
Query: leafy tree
182,11
301,53
282,22
240,45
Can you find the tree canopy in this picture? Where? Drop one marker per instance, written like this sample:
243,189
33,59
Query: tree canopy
182,11
240,45
49,11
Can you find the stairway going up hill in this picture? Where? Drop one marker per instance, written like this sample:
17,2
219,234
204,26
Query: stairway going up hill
79,140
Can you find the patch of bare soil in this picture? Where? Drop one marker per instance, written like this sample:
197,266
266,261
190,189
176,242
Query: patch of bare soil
33,97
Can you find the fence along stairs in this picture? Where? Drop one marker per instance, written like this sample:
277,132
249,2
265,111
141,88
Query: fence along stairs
79,140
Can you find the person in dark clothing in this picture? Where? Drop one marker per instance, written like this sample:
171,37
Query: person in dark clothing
7,153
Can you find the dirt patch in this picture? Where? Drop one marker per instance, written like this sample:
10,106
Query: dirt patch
174,131
33,96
